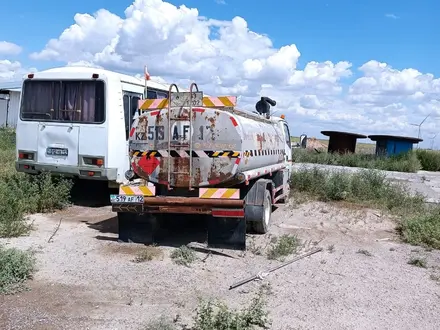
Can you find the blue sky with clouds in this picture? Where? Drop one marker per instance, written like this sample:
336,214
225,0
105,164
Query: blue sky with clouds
316,76
404,33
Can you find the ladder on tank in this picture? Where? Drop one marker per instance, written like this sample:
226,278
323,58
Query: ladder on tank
178,101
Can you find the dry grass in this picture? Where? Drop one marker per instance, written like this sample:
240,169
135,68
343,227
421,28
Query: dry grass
183,256
283,246
148,253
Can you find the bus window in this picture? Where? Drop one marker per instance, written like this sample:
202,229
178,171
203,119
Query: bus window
63,101
126,102
151,94
162,95
134,105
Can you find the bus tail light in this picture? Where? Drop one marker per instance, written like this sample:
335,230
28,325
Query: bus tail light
95,76
25,155
30,75
93,161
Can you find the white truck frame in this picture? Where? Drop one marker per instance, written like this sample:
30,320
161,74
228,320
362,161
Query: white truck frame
58,139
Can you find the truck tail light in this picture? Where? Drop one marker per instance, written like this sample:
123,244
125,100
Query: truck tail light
26,155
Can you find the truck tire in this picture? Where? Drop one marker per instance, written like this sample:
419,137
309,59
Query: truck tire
262,227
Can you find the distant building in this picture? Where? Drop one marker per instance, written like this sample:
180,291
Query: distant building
342,142
9,103
388,145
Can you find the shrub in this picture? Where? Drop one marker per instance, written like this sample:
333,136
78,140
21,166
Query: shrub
419,225
216,315
15,268
183,256
367,187
406,162
23,194
430,160
283,246
422,228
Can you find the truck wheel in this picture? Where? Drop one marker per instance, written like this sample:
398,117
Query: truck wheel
262,227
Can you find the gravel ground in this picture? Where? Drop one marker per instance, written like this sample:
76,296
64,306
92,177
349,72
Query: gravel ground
87,280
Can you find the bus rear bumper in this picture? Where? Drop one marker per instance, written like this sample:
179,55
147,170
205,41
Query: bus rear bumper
82,172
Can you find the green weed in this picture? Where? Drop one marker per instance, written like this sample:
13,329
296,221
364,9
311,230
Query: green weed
15,268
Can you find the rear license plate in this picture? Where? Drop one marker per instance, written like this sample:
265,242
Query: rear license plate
57,152
132,199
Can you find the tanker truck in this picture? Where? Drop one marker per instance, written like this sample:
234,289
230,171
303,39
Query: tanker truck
194,154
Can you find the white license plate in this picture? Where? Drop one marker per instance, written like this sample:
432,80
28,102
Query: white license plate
57,151
133,199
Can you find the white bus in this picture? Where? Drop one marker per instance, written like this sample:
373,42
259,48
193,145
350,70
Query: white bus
74,121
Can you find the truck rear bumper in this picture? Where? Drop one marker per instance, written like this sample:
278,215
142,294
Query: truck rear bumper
184,205
141,198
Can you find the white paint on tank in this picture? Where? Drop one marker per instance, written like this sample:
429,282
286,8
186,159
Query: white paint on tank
259,141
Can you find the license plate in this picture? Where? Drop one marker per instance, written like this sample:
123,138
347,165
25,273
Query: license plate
57,152
133,199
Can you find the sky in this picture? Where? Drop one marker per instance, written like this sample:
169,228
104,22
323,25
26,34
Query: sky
364,66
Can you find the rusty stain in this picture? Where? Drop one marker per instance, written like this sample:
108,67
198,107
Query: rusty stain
197,175
212,121
159,118
216,166
181,165
260,139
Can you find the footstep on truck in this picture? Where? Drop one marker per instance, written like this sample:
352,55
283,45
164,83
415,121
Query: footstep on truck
194,154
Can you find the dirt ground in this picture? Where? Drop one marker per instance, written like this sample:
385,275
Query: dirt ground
87,280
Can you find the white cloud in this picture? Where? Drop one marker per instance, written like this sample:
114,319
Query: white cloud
9,48
392,16
12,70
226,57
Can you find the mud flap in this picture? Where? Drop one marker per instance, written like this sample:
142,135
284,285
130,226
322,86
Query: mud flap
227,233
134,228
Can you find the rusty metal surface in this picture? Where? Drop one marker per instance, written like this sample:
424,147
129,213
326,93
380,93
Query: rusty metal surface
180,209
213,130
192,201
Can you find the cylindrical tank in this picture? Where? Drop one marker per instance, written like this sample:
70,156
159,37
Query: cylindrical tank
224,143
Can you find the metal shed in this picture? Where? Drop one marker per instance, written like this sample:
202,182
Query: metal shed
388,145
9,103
342,142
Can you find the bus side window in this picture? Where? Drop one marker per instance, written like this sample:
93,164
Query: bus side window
134,105
126,102
162,95
151,94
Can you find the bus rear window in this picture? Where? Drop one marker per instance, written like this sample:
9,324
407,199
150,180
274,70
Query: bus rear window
63,101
